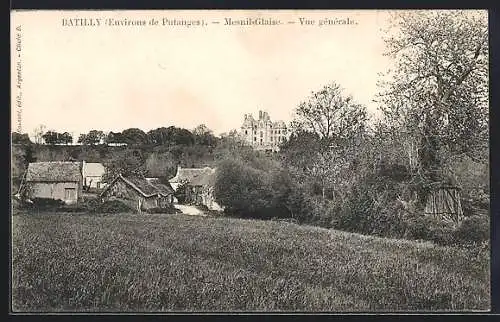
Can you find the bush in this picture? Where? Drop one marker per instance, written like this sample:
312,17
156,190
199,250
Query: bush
429,228
164,210
475,229
46,204
113,207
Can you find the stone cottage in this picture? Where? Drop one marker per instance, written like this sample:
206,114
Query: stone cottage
138,193
54,180
200,185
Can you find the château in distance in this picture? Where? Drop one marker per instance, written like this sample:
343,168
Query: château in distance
263,134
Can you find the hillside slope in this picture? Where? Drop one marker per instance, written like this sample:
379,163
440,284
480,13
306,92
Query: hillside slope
178,262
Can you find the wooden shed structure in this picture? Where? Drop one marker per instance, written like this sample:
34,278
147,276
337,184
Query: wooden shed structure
138,193
443,201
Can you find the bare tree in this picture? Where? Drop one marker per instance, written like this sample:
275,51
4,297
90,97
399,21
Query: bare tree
38,133
330,114
325,128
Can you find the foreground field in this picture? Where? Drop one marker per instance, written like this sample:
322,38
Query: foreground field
178,262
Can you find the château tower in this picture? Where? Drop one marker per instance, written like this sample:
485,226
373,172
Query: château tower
262,133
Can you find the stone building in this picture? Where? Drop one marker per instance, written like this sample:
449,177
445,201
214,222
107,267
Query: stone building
139,193
263,134
200,185
54,180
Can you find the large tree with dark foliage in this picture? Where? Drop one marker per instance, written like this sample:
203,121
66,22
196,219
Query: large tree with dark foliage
125,162
53,137
437,93
92,138
20,138
438,90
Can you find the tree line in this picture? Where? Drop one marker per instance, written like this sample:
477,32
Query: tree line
172,135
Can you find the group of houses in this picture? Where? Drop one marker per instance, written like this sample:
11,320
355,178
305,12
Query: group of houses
70,181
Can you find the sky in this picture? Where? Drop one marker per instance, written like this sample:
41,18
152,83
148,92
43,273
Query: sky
79,78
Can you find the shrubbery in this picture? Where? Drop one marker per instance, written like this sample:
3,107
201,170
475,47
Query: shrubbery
112,207
258,188
163,210
46,203
372,203
475,229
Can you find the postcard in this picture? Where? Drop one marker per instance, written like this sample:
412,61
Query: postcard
250,161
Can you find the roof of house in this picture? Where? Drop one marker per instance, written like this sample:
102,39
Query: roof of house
93,169
164,188
54,171
141,185
195,176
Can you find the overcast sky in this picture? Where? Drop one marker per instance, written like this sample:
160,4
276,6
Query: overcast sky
111,78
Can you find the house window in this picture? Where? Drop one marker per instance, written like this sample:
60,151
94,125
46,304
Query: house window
254,132
255,138
246,132
69,194
271,139
261,133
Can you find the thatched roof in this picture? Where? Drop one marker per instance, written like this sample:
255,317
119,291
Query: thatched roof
195,176
142,185
58,171
164,188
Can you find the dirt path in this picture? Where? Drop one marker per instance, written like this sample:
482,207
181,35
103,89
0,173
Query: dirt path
190,210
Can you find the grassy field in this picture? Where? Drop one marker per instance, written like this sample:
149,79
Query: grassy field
188,263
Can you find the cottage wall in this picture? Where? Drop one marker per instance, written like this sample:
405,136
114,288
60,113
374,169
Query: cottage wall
203,195
56,190
93,181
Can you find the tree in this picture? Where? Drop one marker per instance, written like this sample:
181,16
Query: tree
50,137
437,93
325,133
38,134
182,193
242,189
160,164
159,136
114,137
53,137
134,136
65,138
182,136
204,136
330,114
126,162
21,138
92,138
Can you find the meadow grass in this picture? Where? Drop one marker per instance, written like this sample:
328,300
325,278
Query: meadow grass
186,263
